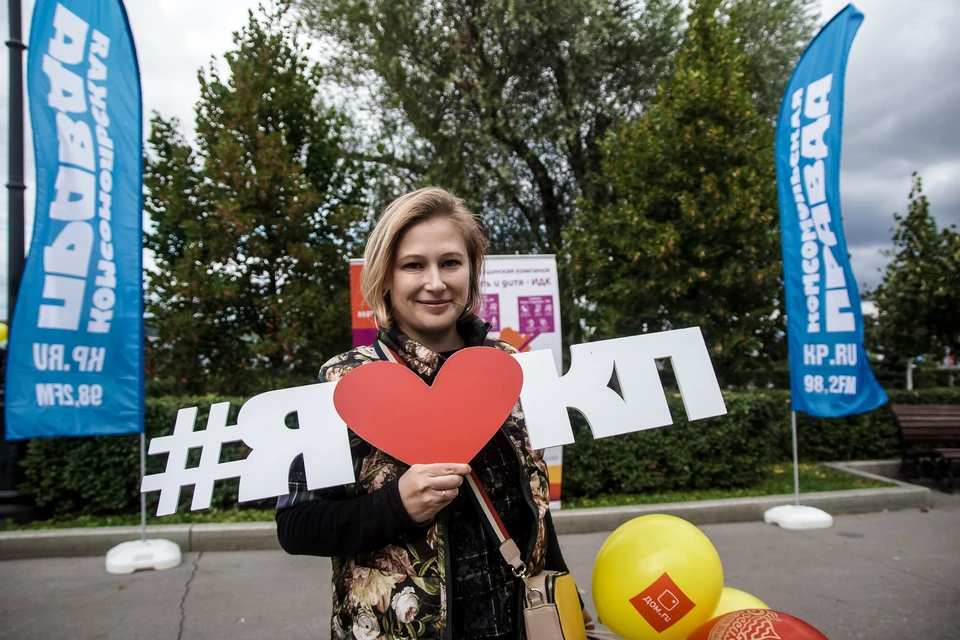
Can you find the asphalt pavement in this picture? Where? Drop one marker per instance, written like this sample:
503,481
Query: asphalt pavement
879,576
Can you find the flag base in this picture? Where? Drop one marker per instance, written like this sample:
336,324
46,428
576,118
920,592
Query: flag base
128,557
798,517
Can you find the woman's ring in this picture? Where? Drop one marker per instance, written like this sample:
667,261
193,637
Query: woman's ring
443,492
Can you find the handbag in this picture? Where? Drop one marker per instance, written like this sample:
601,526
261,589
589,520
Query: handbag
551,603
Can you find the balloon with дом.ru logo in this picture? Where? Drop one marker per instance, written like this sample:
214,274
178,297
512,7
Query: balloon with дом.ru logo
657,577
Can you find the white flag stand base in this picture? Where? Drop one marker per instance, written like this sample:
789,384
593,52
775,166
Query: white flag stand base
798,517
128,557
156,554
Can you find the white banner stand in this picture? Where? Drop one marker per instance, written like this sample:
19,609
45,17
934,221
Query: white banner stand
796,516
156,554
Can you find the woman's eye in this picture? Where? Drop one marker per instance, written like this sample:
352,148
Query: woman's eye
452,263
410,266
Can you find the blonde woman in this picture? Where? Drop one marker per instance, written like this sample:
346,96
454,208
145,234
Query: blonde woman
410,556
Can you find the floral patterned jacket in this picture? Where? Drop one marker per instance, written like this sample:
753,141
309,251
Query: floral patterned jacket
401,590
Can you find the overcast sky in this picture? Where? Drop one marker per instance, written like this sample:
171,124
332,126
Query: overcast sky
903,92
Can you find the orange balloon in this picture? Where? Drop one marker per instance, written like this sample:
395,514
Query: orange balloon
756,623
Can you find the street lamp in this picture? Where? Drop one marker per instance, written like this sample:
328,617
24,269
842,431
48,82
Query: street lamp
10,500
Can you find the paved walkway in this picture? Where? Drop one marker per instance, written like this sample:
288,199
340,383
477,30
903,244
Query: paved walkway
881,576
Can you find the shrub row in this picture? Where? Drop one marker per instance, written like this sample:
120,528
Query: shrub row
890,374
100,475
731,451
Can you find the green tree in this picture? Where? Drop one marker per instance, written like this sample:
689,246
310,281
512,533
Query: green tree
919,297
691,237
506,101
186,305
501,101
773,35
253,230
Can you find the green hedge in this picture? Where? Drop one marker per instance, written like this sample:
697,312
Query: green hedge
890,374
730,451
100,475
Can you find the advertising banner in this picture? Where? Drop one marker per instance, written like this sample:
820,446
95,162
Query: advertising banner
829,372
521,301
75,360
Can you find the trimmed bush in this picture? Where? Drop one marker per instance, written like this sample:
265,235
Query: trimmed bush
100,475
725,452
730,451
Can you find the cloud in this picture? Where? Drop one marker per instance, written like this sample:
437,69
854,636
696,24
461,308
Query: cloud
900,116
174,39
902,89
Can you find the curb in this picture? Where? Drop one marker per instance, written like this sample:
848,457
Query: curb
743,509
96,541
261,536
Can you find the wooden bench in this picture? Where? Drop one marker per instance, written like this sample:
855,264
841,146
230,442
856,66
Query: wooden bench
929,440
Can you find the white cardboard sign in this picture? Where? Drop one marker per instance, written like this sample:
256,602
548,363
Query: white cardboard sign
322,437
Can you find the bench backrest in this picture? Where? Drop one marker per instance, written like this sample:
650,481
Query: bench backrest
935,424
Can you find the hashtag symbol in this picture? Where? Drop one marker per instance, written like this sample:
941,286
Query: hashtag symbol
178,446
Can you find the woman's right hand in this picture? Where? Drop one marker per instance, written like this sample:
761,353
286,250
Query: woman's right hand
427,488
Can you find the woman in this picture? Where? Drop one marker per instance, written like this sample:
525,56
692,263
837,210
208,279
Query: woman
410,556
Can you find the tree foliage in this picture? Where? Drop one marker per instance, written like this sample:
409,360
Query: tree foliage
919,297
500,101
772,35
691,236
253,229
506,102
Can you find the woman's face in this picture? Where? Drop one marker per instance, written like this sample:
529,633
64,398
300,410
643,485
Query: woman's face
430,283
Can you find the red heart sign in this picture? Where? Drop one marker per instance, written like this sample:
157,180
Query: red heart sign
390,407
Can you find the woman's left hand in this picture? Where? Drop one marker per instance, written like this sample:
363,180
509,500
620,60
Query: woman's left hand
588,620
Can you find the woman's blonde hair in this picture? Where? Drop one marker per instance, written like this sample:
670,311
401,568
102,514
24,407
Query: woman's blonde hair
404,212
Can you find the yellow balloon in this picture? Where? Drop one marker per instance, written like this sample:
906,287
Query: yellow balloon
656,577
3,332
735,600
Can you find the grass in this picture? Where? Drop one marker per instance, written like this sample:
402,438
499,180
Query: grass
780,481
813,477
